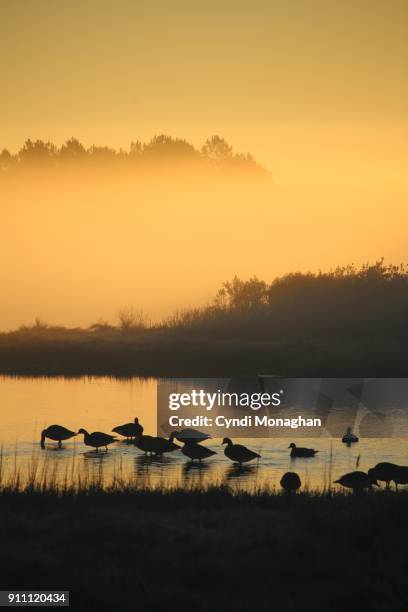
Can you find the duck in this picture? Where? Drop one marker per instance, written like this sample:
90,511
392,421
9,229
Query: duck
349,437
388,472
185,435
290,481
238,453
193,450
97,439
129,430
162,445
56,433
145,444
358,481
301,452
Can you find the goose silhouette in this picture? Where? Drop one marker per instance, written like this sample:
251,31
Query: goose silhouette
187,435
390,472
238,453
290,481
358,481
145,444
301,452
129,430
193,450
162,445
401,476
349,438
58,433
97,439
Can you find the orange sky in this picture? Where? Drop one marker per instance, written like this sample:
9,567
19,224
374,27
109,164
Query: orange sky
316,90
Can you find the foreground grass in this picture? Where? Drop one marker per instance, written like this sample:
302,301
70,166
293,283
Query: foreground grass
130,549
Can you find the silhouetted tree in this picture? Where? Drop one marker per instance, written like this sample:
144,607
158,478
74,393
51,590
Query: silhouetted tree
72,150
217,149
38,152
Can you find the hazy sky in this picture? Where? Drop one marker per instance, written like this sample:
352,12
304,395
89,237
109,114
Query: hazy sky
316,90
293,81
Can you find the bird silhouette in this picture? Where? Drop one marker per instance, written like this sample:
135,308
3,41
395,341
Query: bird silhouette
129,430
193,450
97,439
238,453
290,481
185,435
301,452
58,433
358,481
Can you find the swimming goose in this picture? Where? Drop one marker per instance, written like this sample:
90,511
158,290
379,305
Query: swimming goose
290,481
162,445
97,439
192,450
238,453
387,472
185,435
145,444
301,452
349,437
129,430
358,481
56,433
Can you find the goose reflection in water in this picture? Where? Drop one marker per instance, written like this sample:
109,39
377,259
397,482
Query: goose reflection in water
237,471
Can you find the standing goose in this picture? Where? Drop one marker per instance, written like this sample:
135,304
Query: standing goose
190,435
387,472
400,476
97,439
192,450
301,452
358,481
129,430
162,445
56,433
238,453
145,444
290,481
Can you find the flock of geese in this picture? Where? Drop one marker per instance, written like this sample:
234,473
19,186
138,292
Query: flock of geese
238,453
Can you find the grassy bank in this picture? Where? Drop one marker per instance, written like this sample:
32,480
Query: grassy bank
207,550
167,353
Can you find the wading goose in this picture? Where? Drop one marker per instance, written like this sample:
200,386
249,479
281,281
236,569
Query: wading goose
187,435
145,444
349,437
301,452
192,450
400,476
387,472
358,481
162,445
97,439
56,433
290,482
129,430
238,453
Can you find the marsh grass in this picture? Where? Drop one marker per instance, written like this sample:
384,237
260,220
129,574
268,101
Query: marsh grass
127,547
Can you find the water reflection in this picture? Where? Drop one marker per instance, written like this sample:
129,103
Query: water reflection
30,404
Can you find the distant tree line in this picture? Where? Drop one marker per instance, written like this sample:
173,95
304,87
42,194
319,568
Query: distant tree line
215,153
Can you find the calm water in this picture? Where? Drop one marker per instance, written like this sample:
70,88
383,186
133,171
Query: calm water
28,405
